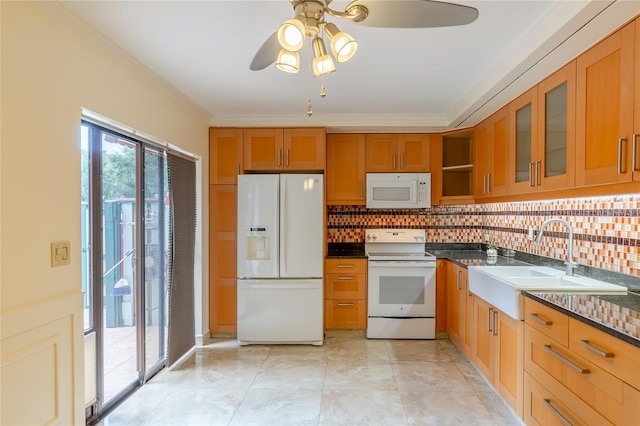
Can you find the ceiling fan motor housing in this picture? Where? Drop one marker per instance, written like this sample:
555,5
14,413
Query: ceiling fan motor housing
311,12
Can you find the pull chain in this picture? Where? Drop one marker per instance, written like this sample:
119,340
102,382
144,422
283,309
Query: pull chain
309,110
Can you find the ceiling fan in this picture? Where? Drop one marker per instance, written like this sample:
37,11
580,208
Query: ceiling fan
283,45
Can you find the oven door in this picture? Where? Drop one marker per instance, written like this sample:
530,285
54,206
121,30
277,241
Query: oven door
401,289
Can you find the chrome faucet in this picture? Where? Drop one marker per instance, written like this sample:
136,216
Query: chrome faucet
569,265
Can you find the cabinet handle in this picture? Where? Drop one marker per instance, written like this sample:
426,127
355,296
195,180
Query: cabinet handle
540,320
597,350
286,158
531,183
537,181
345,305
495,323
484,184
238,169
557,413
279,155
402,160
489,183
620,151
458,280
393,160
634,153
489,317
345,265
361,186
345,278
570,363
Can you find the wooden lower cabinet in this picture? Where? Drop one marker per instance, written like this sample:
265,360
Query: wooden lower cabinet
345,314
497,351
459,304
345,292
544,408
576,382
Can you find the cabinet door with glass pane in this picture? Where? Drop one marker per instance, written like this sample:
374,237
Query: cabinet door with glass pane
544,133
556,129
524,133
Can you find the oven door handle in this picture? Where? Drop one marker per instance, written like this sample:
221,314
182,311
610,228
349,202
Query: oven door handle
402,264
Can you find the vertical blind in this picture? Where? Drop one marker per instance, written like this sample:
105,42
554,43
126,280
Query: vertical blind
182,188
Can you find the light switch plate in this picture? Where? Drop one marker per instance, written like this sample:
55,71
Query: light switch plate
60,253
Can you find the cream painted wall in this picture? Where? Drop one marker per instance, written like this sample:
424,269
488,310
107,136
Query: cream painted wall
52,66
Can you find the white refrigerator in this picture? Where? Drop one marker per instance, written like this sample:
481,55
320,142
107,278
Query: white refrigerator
280,259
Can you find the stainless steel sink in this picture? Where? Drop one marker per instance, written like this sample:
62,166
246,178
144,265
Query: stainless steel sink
502,285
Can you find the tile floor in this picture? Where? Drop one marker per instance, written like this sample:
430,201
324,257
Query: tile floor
347,381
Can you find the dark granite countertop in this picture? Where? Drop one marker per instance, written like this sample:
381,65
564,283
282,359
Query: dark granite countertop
346,250
467,258
617,315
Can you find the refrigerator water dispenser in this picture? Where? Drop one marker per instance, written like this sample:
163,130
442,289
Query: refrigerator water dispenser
258,243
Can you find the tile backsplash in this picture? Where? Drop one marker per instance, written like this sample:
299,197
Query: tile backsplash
606,229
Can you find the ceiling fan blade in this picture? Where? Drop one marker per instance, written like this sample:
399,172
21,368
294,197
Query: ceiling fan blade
415,13
267,53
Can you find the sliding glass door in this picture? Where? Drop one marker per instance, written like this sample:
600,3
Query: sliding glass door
125,244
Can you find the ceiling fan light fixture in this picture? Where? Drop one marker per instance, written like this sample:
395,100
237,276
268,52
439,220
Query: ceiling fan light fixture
291,34
343,46
322,63
288,61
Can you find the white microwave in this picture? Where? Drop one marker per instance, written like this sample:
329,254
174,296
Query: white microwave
398,190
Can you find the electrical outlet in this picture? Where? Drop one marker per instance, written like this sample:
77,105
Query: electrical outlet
60,253
530,234
487,238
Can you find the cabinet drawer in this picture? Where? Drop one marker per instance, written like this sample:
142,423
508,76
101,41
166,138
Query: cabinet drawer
345,286
557,366
340,266
347,314
547,320
612,354
545,408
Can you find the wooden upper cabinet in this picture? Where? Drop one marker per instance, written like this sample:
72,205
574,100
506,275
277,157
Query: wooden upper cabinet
284,149
543,129
382,152
263,149
556,147
456,165
225,155
401,153
492,137
525,168
304,149
413,153
482,158
636,126
604,110
345,168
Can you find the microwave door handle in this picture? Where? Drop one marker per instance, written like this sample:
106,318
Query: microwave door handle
414,191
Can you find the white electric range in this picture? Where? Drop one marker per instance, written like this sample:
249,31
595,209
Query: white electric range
401,285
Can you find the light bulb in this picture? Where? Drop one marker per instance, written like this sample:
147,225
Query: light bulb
291,34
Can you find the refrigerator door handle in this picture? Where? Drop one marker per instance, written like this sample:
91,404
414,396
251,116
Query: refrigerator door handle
283,229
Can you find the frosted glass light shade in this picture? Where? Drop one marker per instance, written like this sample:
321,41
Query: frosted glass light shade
322,63
343,46
288,61
291,34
